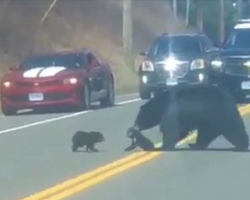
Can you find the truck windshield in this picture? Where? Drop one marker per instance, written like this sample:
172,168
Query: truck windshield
239,39
178,45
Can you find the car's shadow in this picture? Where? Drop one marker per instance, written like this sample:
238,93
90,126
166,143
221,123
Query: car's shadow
65,110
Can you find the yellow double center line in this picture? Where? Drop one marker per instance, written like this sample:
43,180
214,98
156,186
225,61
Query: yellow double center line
84,181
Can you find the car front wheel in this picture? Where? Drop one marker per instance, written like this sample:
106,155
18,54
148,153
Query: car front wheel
109,100
85,103
7,111
144,92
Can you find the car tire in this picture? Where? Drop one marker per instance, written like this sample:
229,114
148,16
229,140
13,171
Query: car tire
144,92
85,99
109,100
8,112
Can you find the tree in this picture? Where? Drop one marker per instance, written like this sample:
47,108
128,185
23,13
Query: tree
210,11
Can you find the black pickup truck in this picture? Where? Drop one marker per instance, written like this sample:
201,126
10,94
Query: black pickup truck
176,60
233,59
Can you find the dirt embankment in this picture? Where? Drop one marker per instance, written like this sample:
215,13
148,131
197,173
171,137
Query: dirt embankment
96,24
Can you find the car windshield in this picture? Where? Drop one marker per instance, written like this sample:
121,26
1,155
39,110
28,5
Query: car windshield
239,39
71,61
178,45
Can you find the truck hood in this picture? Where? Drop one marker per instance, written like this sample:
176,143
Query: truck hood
235,52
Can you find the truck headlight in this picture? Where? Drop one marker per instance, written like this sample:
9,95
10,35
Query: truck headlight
144,79
217,64
247,64
197,64
147,66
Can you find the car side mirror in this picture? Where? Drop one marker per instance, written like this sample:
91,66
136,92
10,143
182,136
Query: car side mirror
143,53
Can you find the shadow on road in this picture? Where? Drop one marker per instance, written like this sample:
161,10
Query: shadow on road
85,151
203,150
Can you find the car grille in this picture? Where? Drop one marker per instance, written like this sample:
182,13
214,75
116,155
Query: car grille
236,66
40,84
180,72
47,97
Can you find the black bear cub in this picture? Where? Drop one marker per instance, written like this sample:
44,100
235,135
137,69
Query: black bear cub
88,139
140,141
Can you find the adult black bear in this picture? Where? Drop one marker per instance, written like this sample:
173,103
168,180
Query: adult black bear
209,109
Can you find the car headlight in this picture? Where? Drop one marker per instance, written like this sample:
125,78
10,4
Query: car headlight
7,84
197,64
147,66
247,64
217,64
70,81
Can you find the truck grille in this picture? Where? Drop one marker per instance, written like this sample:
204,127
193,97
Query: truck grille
179,72
236,66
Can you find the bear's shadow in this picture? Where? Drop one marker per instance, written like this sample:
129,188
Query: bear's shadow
85,151
201,150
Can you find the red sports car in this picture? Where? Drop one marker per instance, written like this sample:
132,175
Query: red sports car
68,78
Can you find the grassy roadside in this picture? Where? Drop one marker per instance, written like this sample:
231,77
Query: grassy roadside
73,24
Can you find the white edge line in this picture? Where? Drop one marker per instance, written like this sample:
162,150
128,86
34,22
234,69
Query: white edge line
59,118
128,101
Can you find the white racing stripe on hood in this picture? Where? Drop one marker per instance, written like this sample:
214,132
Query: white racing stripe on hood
32,73
51,71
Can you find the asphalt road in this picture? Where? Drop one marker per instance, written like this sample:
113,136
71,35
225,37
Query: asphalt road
35,155
191,175
178,176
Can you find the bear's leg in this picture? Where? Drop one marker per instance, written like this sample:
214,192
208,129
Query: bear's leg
143,142
234,129
91,147
169,126
143,121
74,148
204,138
149,115
237,137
